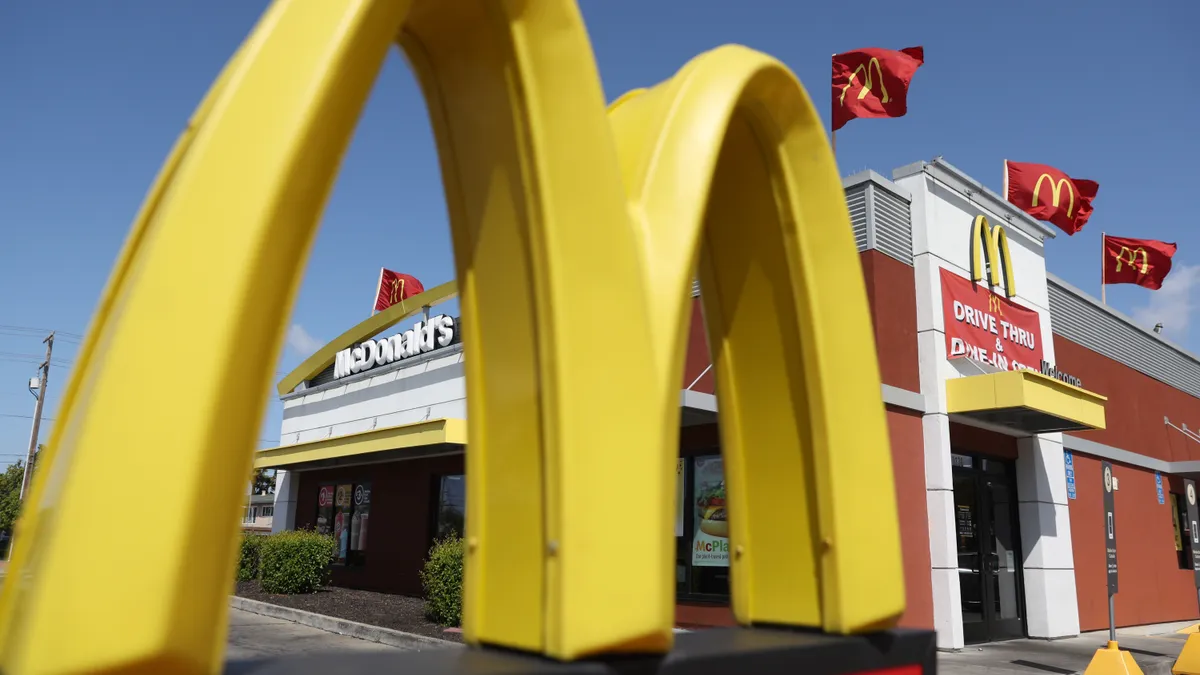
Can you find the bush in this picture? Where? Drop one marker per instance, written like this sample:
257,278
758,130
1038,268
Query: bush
248,558
295,561
442,579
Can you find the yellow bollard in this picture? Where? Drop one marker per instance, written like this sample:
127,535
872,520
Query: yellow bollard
1110,660
1188,662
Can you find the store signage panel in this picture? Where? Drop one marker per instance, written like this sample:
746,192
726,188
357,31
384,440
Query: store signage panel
989,328
1070,462
1162,499
1110,526
1193,516
424,337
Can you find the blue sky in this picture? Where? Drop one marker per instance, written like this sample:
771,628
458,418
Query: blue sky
92,95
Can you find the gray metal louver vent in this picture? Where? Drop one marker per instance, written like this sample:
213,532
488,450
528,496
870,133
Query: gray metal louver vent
1083,321
893,224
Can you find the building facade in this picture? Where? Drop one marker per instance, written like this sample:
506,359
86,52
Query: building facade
1005,389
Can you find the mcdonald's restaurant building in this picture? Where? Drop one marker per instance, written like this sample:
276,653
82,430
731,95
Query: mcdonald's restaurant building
1005,387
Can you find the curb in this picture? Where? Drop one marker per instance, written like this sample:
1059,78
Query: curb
330,624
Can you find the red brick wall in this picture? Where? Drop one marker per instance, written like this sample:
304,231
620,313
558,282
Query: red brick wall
1152,588
1136,405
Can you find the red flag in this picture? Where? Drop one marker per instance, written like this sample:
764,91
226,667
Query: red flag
395,287
1046,193
1145,262
873,82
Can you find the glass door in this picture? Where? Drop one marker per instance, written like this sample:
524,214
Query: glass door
989,551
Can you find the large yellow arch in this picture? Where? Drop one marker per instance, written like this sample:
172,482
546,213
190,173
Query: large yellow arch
545,232
727,167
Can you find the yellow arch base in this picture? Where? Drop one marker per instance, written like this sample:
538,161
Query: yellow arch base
1112,660
1188,662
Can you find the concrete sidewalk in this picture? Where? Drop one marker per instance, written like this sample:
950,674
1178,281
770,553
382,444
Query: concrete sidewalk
1154,648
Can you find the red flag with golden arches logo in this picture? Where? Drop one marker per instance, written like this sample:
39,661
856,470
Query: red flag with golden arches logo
1145,262
395,287
873,82
1048,194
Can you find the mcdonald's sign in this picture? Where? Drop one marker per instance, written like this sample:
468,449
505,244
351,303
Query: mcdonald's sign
867,82
548,191
1056,188
1130,257
990,253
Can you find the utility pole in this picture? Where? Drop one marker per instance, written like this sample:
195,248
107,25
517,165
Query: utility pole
37,416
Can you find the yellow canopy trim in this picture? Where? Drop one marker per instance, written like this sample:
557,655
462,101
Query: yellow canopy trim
1027,401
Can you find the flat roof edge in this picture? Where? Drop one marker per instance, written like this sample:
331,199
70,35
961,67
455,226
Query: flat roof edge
870,176
1127,320
954,177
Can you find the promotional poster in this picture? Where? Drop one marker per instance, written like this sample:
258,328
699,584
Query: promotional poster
710,544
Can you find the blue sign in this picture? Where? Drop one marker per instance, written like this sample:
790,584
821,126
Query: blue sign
1071,476
1158,486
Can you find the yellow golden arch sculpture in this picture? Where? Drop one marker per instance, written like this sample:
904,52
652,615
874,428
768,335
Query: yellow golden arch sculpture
559,210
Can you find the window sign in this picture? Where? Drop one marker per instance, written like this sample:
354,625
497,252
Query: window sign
1071,477
341,520
710,543
358,521
325,510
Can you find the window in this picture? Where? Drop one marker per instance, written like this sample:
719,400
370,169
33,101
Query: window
451,511
249,514
266,511
344,511
1182,531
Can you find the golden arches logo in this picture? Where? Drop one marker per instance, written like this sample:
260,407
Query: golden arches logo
397,290
990,252
867,83
1055,191
742,178
995,305
1130,256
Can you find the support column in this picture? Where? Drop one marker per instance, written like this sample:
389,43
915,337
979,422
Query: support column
1051,606
287,491
943,545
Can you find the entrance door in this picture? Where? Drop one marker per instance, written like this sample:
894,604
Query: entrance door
989,549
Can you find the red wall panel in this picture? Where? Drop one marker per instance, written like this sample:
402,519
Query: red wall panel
401,519
1136,405
891,291
1152,588
908,466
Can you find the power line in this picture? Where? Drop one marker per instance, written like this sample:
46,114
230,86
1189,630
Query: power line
38,331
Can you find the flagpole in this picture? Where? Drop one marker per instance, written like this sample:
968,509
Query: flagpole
832,131
377,285
1103,265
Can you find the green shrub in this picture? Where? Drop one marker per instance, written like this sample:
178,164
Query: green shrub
248,558
295,561
442,579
